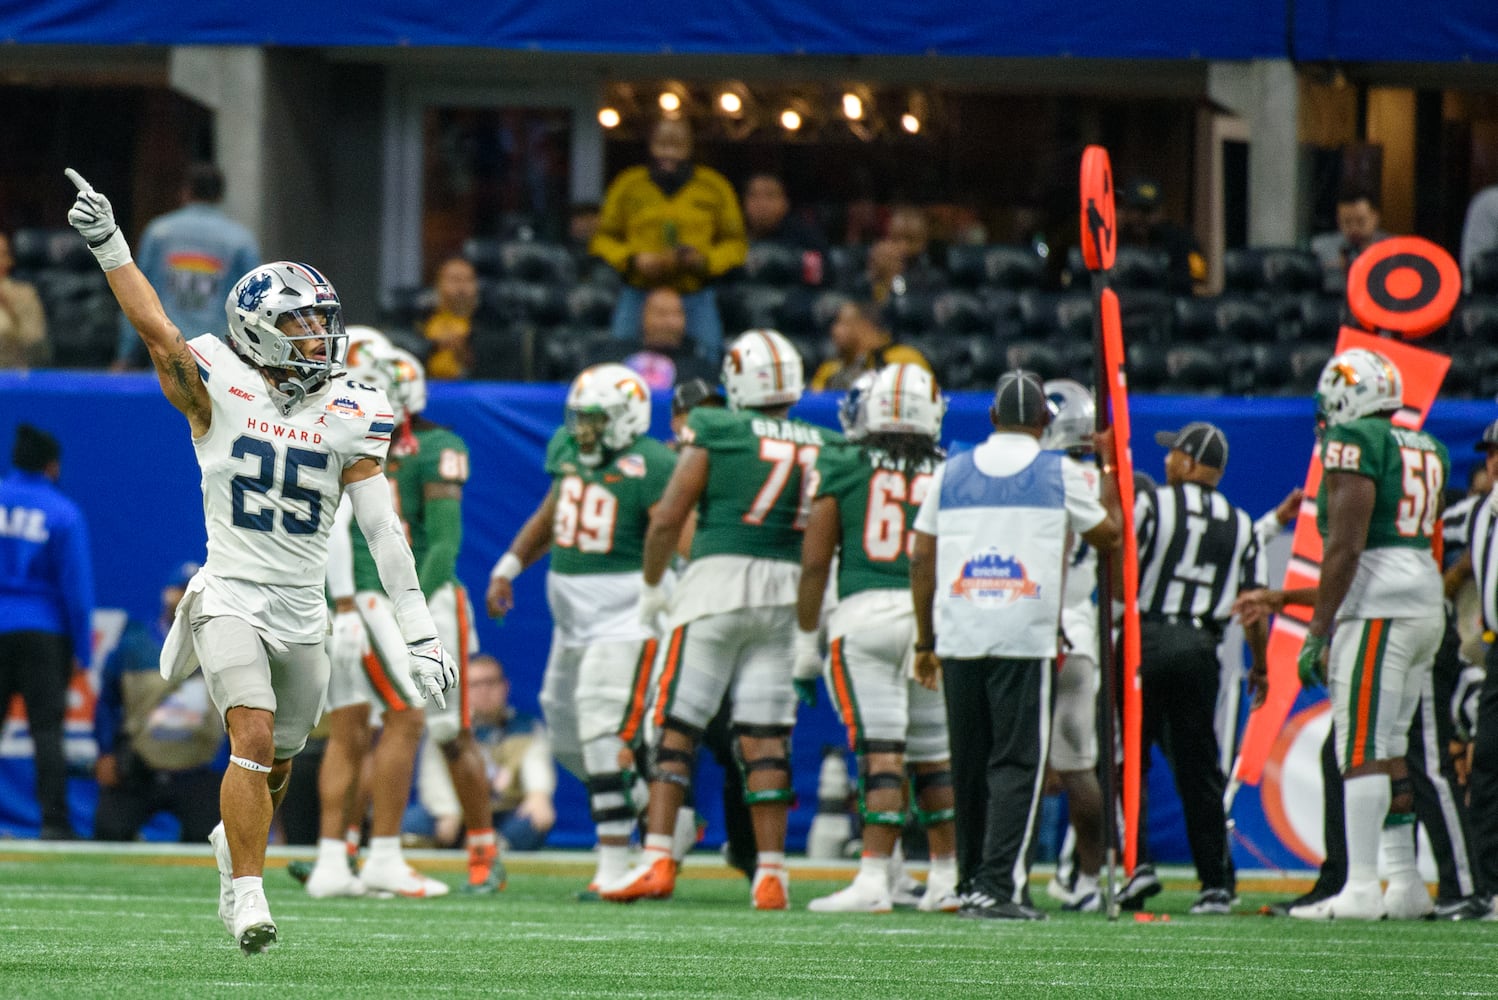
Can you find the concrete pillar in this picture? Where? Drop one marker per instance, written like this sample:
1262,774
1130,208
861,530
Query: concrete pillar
231,82
1265,94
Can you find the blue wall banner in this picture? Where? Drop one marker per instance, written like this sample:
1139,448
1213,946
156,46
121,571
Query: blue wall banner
128,460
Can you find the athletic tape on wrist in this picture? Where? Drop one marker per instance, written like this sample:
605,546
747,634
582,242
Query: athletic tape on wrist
112,252
509,567
249,765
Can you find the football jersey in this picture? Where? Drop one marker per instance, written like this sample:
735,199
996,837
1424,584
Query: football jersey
755,503
271,483
876,502
440,457
1397,574
602,512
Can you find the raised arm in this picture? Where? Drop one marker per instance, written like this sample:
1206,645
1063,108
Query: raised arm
176,367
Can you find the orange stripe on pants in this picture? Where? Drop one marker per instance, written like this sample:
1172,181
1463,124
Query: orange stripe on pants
842,693
388,690
641,692
668,674
1367,691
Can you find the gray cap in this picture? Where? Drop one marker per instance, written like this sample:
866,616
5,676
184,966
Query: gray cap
1489,439
1203,442
1019,400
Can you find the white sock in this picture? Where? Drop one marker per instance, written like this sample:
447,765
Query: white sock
1086,886
613,862
351,838
685,833
1366,799
943,870
331,851
385,851
872,867
246,884
657,845
770,859
1398,843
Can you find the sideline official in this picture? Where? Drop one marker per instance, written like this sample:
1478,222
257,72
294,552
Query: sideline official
1482,780
991,541
1196,552
46,609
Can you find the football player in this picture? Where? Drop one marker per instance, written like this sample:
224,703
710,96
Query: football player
732,618
607,476
1378,619
280,437
867,491
1074,744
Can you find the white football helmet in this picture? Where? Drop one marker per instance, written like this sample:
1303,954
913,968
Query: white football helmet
904,399
761,368
368,349
609,405
1357,383
287,317
407,382
1073,416
852,411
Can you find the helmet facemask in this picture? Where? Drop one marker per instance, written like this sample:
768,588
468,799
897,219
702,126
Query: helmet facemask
286,319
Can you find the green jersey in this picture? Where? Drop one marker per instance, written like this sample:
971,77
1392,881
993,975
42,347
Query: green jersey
602,512
441,457
1409,470
753,504
877,501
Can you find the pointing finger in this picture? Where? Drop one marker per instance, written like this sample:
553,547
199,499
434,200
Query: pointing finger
78,182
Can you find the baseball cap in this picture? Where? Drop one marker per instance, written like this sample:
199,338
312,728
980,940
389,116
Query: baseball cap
1141,192
1019,400
1203,442
1489,439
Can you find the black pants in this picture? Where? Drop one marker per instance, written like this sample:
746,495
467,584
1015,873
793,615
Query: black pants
191,796
1483,783
1438,799
38,667
737,824
1178,674
999,718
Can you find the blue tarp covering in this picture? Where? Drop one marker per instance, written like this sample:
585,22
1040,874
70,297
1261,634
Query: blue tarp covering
128,461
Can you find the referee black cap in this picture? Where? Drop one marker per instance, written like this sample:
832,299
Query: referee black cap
691,394
1202,442
1489,439
1019,400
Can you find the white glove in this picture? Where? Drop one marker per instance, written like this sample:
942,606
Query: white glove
432,670
808,665
350,643
93,217
653,603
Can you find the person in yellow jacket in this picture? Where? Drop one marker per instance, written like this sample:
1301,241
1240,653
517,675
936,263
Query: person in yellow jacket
863,344
671,223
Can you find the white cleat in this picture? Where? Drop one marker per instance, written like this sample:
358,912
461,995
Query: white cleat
940,895
330,881
220,841
253,927
864,895
1058,891
400,880
1356,901
906,891
1406,898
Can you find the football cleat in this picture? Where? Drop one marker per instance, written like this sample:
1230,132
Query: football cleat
330,881
1356,901
253,927
486,872
650,880
864,895
220,841
772,889
1141,886
1058,891
400,880
940,895
1091,902
1406,898
1212,902
906,891
1465,908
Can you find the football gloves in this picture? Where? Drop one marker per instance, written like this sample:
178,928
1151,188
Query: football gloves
93,217
1310,665
1464,702
807,667
432,670
653,603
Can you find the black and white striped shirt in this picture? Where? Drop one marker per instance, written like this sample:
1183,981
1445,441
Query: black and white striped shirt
1482,540
1196,552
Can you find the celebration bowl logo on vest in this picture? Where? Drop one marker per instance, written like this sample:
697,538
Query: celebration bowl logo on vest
991,577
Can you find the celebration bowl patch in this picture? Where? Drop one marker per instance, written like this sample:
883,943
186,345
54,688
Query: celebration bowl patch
343,406
992,577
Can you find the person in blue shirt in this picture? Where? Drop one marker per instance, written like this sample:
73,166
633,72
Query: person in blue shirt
161,743
192,257
46,608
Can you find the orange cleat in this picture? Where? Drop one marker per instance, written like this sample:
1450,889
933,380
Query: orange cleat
652,880
772,889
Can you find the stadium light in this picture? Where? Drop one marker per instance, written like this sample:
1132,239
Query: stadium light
730,103
609,117
790,119
852,106
670,102
910,123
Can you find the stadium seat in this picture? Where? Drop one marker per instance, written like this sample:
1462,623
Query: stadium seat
485,255
1479,362
846,265
747,306
1483,278
1039,356
810,348
1139,267
38,249
1065,314
825,306
910,314
1306,362
1474,319
1194,368
1242,270
406,306
1289,269
1243,320
773,264
998,265
1145,366
1320,317
1147,315
967,362
504,353
796,315
83,331
1195,318
511,300
562,352
1271,367
591,305
955,312
541,263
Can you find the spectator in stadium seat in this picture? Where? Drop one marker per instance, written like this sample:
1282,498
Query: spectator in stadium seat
768,219
161,743
671,223
517,756
863,343
906,260
1142,223
1358,228
1479,228
192,257
451,326
664,355
23,323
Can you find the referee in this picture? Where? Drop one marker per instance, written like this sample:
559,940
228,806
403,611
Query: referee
991,543
1196,552
1482,781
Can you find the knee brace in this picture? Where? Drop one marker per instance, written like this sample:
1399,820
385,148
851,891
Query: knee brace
879,781
609,799
928,781
867,747
671,755
780,763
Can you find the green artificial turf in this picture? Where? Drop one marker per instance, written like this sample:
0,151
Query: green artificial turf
122,926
